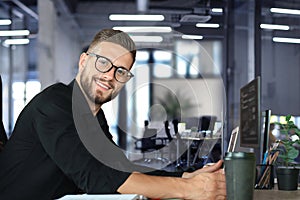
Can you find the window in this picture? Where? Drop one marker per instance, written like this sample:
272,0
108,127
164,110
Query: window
197,59
22,93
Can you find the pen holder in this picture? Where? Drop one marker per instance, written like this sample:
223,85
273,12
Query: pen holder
264,177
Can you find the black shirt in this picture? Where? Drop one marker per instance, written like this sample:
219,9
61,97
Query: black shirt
45,157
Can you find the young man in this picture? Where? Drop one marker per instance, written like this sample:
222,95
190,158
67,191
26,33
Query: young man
61,142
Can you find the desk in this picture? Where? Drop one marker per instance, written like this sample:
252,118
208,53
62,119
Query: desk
273,195
276,195
258,195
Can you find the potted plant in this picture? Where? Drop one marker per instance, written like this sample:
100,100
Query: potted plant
287,170
175,104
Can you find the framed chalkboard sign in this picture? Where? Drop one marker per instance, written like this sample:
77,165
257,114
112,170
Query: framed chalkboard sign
250,114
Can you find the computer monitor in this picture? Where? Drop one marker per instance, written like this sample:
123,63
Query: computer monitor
207,123
250,114
265,115
251,135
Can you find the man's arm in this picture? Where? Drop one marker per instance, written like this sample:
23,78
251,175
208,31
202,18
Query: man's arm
202,184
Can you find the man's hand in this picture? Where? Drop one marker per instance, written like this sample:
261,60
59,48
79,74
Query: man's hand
209,169
206,183
206,186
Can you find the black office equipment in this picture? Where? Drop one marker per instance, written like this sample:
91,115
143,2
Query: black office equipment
175,125
250,114
207,123
167,130
266,115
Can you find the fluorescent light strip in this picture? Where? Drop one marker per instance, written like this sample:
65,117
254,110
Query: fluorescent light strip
155,39
286,40
285,11
5,21
205,25
16,41
143,29
192,37
275,27
125,17
14,33
217,10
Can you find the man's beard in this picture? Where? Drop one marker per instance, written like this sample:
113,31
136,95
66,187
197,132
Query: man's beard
94,96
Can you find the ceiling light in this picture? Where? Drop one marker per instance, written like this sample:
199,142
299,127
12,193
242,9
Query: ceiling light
5,21
286,40
16,41
143,29
14,33
147,38
205,25
192,37
125,17
275,27
285,11
217,10
195,18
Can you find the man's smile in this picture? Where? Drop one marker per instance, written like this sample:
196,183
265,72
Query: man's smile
102,85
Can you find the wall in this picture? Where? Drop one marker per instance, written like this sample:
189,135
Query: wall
207,94
280,77
58,46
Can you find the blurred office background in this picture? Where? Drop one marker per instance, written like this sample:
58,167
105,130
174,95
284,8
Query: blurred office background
236,41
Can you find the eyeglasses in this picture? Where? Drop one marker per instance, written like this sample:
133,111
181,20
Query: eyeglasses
103,65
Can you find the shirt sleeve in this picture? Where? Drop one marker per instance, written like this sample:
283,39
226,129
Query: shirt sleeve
58,135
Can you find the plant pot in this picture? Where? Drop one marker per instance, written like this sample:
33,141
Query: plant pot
287,178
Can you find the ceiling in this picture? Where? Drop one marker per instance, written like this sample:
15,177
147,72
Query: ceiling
89,16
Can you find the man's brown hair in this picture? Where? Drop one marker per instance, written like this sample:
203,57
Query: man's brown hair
117,37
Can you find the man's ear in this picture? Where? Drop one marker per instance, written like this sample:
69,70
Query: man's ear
82,61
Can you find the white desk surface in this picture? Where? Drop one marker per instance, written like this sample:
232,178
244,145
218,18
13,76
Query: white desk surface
199,138
101,197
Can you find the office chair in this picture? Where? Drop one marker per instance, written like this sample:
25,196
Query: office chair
3,137
149,142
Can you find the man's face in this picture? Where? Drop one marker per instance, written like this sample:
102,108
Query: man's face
103,87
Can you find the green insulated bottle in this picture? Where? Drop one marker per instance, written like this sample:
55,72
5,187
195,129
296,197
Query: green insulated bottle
240,175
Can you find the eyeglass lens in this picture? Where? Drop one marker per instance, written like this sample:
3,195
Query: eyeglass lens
104,65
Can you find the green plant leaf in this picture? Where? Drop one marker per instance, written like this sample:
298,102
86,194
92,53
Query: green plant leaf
292,154
175,103
287,118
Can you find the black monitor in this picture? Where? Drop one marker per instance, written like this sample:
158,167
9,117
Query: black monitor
250,113
265,129
207,123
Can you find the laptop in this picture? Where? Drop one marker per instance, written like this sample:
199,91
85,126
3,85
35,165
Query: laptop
233,140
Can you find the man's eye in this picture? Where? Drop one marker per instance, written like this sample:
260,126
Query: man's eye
121,72
103,62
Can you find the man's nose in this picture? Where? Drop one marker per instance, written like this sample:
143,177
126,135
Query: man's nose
110,74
